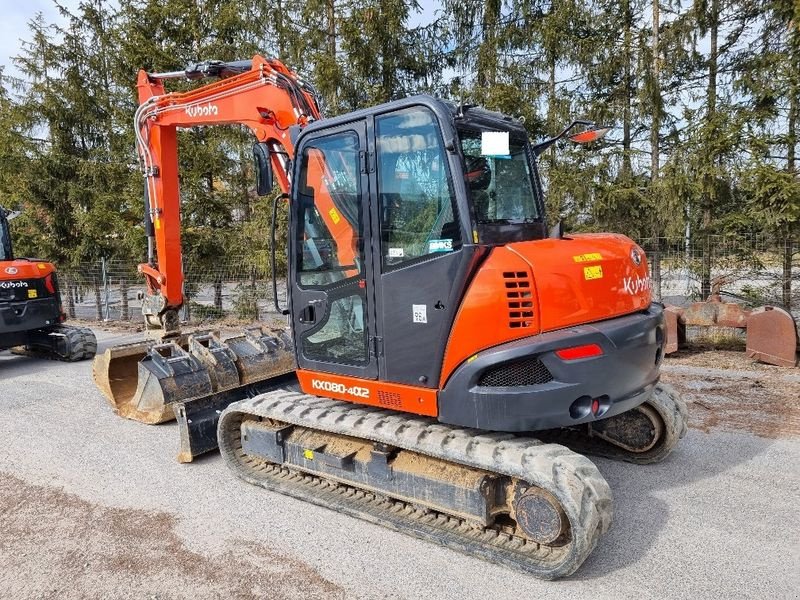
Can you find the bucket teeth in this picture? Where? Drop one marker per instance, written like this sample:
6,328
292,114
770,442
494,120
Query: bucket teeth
142,381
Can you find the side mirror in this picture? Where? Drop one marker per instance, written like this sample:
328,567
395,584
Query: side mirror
589,135
263,164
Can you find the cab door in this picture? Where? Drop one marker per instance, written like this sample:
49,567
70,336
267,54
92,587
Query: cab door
331,290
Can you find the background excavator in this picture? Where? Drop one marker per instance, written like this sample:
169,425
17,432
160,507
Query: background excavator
436,324
31,315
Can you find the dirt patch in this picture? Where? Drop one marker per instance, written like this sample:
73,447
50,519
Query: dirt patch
726,390
57,545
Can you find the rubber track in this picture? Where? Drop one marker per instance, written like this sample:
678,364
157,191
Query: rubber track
665,401
81,341
573,479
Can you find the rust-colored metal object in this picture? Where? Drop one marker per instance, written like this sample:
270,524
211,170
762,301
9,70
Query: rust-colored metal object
771,331
772,336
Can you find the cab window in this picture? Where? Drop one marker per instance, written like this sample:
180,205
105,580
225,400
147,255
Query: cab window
417,201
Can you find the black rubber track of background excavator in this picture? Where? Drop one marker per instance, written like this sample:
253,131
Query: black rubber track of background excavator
572,479
75,343
665,405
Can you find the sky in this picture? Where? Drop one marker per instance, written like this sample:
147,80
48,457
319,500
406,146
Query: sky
17,13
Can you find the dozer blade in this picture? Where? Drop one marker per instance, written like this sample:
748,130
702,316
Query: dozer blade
143,381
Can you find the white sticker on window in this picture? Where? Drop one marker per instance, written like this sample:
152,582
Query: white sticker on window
494,143
445,245
395,253
420,313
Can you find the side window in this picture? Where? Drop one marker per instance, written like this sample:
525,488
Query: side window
330,230
330,249
417,202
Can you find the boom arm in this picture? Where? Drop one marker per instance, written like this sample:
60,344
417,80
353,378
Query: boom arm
266,97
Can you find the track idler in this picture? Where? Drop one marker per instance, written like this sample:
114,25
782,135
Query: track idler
144,381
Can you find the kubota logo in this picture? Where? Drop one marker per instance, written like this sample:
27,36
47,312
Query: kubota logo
635,285
12,270
206,110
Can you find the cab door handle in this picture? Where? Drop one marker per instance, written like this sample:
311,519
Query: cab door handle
308,314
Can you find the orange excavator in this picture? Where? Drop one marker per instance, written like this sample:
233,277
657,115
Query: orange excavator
451,357
31,315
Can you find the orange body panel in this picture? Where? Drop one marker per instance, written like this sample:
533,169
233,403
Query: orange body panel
21,268
492,313
395,396
576,280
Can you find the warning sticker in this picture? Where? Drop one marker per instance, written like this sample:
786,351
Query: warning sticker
419,313
33,294
595,272
590,257
308,454
396,253
334,216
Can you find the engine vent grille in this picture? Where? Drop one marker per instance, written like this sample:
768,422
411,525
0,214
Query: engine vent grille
527,371
519,296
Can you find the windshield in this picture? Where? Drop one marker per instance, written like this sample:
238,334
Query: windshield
499,186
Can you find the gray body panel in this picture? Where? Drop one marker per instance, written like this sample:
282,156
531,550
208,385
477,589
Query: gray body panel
624,376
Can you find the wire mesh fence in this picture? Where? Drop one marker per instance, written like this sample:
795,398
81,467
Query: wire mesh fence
751,270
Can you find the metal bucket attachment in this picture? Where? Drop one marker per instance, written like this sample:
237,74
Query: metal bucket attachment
260,355
167,374
772,336
192,378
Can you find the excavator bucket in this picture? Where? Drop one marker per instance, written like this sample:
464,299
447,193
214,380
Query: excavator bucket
772,336
191,375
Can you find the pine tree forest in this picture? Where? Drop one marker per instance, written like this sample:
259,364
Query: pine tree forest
703,97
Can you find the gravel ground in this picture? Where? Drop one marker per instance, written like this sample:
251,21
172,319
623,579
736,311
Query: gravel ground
93,506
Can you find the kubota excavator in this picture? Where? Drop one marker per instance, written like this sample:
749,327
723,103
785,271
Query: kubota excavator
31,315
436,324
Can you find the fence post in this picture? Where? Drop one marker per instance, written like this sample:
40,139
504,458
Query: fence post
123,289
68,283
656,266
98,300
105,287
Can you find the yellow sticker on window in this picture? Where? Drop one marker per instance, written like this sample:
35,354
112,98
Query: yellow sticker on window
334,216
309,454
33,294
589,257
595,272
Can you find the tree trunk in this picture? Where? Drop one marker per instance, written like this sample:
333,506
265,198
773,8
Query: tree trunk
487,53
709,183
70,288
218,294
551,108
331,48
786,276
655,149
788,248
627,52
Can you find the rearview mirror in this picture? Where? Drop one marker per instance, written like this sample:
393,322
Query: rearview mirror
263,164
589,135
